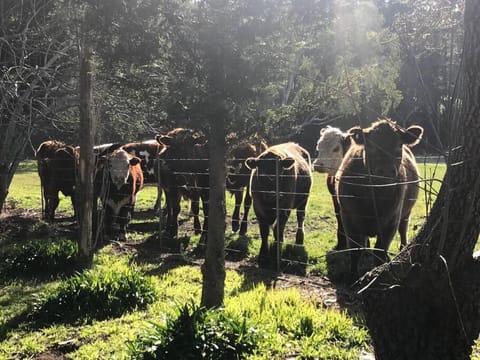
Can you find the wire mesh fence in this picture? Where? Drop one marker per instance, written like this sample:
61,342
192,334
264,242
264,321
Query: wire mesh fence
320,219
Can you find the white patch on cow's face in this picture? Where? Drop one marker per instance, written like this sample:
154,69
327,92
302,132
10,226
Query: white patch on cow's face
118,167
329,151
145,156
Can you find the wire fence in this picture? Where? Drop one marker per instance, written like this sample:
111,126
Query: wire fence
326,221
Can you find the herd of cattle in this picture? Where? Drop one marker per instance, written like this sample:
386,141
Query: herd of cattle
371,176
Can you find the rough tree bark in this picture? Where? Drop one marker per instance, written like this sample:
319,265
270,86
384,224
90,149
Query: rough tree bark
426,303
213,269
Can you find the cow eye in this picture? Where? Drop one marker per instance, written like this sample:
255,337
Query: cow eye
336,149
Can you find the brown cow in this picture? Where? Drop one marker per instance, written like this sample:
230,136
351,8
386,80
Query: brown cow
56,164
331,147
377,185
122,179
238,179
184,173
294,188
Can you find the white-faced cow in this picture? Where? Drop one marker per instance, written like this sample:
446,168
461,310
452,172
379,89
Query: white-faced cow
238,179
184,173
147,152
292,164
377,185
57,165
331,147
122,178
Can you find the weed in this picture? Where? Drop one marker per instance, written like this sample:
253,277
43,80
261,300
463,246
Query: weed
198,333
99,293
34,258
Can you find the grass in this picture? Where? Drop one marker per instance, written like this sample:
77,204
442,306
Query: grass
294,325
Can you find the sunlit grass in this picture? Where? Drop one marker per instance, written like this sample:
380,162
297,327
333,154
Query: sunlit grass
286,314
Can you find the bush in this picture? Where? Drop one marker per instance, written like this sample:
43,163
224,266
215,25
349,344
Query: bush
37,258
97,294
197,333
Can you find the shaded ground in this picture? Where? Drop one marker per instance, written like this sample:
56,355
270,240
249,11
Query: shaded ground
20,224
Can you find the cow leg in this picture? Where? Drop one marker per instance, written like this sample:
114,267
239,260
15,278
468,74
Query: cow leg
195,210
158,202
205,195
51,204
300,223
108,221
264,230
383,243
123,219
247,203
402,230
173,207
238,193
355,243
279,226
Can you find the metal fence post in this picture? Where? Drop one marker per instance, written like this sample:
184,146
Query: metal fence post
277,199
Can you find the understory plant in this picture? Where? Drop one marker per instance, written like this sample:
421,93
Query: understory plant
197,333
99,293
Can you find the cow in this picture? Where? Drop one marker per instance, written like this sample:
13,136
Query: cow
238,179
147,151
292,163
331,147
120,177
184,173
57,164
377,185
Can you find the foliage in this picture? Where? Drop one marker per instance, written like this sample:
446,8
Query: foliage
38,257
198,333
97,294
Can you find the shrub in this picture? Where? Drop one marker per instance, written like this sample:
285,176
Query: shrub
38,258
197,333
97,294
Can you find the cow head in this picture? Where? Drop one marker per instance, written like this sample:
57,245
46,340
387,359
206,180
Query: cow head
331,147
383,145
118,165
181,146
266,168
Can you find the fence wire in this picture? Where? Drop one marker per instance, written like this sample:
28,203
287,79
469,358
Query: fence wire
426,186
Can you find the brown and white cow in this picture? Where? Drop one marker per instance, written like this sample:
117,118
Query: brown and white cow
121,179
57,163
331,147
238,179
147,151
292,162
377,185
184,173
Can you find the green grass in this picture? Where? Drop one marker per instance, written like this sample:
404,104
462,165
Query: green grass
294,325
314,331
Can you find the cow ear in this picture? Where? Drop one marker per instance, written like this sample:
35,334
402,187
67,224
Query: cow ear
251,163
164,139
322,130
134,161
413,135
288,163
357,135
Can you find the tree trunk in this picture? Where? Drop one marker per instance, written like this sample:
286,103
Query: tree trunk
213,269
426,304
86,161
